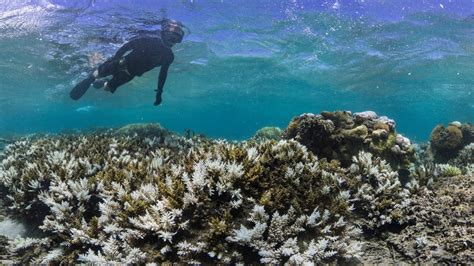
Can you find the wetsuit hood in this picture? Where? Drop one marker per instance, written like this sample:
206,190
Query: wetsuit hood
171,32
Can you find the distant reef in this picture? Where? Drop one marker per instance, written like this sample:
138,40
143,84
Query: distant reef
335,187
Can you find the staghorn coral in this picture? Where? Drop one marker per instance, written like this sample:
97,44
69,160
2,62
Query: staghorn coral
280,236
465,158
425,173
447,170
428,167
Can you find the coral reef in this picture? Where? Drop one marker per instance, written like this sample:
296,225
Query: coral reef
8,139
340,135
143,130
447,142
142,194
448,170
102,198
442,225
268,133
450,152
465,158
379,199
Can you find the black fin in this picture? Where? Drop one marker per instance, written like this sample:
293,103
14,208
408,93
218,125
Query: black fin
81,88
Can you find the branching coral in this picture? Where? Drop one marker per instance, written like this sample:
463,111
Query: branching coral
379,196
304,239
465,158
107,198
448,170
134,200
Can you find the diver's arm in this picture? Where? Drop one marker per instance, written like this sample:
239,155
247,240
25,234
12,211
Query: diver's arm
161,83
162,78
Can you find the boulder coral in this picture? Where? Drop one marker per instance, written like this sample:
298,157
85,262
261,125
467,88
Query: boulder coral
446,142
268,133
340,135
143,130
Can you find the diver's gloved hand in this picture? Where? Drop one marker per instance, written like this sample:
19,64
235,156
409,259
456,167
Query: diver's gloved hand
157,100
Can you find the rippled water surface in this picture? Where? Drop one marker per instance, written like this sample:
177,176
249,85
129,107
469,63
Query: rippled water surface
243,64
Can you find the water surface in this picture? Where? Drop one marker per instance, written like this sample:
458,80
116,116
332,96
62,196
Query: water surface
243,65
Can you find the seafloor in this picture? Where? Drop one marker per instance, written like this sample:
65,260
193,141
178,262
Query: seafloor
335,187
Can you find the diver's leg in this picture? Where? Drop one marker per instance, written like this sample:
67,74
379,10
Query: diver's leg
81,88
99,83
118,80
107,68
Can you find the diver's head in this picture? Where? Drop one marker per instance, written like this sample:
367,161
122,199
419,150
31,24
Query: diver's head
171,32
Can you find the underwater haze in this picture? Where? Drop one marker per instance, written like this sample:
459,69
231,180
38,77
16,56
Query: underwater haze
242,65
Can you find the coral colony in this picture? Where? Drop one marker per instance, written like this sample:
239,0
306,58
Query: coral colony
326,189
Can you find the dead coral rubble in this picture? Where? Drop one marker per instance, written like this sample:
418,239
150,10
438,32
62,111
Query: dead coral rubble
340,135
442,224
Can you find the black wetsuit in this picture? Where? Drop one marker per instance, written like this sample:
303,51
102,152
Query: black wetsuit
147,52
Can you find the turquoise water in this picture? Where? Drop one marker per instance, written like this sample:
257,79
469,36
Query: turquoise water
243,66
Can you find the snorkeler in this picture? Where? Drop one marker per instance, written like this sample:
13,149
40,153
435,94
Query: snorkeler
146,53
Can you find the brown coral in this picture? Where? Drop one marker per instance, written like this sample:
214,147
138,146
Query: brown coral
446,139
446,142
340,135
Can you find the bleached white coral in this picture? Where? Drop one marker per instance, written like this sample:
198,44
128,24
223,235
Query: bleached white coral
160,219
252,154
378,192
92,257
123,202
56,158
199,180
277,239
52,256
20,243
